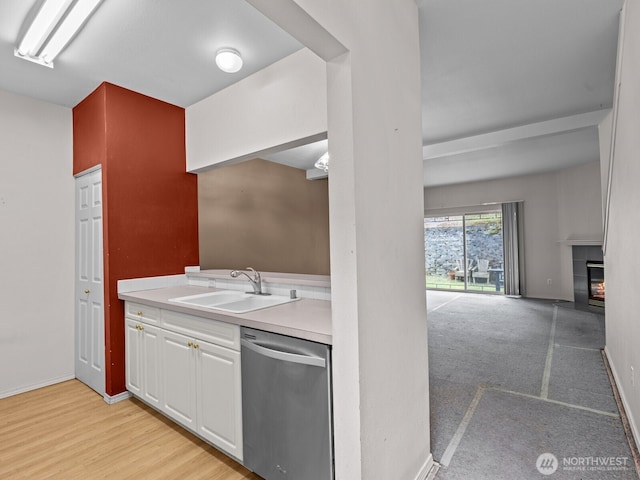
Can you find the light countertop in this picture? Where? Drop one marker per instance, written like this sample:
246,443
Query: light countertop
305,318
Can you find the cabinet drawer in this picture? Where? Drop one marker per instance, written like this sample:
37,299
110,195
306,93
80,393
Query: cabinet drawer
218,333
144,313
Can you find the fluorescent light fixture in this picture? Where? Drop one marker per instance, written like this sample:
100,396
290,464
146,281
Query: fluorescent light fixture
323,163
55,24
49,15
229,60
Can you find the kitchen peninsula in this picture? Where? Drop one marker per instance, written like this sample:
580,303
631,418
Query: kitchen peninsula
230,374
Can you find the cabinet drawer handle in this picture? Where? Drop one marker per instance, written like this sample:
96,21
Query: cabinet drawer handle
190,344
87,291
139,313
195,345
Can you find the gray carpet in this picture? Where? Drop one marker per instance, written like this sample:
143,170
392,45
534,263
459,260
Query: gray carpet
511,379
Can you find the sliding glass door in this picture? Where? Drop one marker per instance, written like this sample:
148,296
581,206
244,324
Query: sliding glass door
464,252
444,252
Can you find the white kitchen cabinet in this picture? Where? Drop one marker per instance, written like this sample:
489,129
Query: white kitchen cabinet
133,356
187,367
219,397
151,390
142,353
201,389
179,378
144,313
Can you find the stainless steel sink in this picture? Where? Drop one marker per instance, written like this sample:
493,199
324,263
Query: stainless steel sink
233,301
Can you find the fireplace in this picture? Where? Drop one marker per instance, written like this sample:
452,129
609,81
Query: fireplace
595,282
588,283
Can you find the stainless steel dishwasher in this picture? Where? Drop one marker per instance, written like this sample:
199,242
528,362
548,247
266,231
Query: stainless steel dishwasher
286,407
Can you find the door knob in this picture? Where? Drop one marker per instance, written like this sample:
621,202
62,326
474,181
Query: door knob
87,291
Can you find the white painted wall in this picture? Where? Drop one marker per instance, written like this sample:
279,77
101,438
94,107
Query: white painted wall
36,244
604,135
558,207
621,242
376,229
579,217
271,110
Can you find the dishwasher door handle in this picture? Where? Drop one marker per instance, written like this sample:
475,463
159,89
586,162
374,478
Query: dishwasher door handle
285,356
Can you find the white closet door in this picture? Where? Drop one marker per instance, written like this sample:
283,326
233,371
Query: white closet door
89,291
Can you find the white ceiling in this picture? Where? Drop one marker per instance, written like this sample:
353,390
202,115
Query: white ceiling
498,64
490,66
161,48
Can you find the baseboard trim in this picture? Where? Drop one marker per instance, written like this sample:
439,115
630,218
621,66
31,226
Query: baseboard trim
427,471
35,386
625,413
111,399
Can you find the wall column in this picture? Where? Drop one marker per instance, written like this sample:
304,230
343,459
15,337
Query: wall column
377,244
381,402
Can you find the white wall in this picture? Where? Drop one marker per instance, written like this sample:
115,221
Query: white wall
36,244
376,229
604,134
271,110
559,207
579,216
621,242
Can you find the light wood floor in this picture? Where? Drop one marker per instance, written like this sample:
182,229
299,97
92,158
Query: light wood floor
67,431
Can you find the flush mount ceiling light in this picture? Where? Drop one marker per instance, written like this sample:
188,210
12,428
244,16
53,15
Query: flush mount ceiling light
323,163
55,24
229,60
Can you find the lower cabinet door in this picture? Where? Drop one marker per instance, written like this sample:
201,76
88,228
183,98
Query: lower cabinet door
178,378
133,356
151,381
219,397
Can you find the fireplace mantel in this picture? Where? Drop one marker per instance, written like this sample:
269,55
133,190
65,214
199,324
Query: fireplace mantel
579,240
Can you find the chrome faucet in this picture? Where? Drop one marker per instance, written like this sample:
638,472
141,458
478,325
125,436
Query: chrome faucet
256,281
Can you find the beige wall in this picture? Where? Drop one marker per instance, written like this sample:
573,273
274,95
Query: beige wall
621,243
264,215
36,244
558,207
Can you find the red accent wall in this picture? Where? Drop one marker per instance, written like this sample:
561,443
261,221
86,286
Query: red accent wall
89,132
150,203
